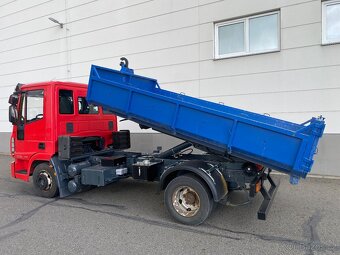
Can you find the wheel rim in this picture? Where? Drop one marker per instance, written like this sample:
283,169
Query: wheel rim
44,181
186,201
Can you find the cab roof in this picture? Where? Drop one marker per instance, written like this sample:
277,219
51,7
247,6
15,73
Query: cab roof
54,83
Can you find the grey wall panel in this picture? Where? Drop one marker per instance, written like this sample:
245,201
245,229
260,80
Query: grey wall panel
190,88
301,36
33,36
31,64
34,17
298,11
34,75
292,101
142,44
300,14
30,51
4,144
135,13
125,31
20,6
291,59
326,161
272,82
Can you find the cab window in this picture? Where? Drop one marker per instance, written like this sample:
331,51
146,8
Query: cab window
85,108
32,106
66,102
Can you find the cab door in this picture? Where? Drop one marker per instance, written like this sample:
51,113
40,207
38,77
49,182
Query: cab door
31,128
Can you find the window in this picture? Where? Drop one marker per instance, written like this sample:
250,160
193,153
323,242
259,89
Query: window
32,106
85,108
331,22
66,102
250,35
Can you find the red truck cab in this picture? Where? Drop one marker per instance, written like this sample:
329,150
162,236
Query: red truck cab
42,112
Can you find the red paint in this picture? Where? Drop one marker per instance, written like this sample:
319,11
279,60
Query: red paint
53,124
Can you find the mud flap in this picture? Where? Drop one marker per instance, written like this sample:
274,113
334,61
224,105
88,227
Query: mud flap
61,175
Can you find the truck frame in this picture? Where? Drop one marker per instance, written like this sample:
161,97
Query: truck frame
69,142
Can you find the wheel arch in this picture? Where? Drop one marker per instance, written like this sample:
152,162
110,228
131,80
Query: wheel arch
37,159
213,178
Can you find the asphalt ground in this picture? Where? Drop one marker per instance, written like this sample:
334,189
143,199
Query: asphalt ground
129,217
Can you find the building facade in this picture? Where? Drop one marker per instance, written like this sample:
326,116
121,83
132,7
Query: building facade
273,57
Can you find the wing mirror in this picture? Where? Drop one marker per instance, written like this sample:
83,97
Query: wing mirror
13,99
13,114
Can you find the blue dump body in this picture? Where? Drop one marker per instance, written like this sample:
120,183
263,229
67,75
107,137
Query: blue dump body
280,145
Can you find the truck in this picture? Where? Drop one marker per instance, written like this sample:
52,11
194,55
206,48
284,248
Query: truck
65,136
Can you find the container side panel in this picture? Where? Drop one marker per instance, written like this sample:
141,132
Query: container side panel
281,145
206,126
266,144
128,79
152,109
115,98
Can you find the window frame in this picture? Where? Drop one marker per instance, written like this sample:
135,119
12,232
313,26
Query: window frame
246,42
324,22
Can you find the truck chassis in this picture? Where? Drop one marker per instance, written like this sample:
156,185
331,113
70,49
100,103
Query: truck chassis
193,183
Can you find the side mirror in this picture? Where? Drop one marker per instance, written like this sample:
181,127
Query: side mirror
13,99
13,114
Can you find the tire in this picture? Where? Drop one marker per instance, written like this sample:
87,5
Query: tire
45,181
188,200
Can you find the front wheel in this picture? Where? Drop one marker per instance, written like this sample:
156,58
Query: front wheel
45,181
188,200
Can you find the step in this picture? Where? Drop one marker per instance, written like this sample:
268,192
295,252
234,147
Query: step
22,174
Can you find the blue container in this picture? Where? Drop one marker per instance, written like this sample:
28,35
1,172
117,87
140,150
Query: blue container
278,144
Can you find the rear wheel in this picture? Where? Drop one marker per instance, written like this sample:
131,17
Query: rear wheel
45,181
188,200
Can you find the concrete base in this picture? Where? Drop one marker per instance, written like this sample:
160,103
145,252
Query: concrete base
4,145
325,161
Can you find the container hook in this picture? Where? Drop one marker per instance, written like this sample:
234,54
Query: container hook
124,62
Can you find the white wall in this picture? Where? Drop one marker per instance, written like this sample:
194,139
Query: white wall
172,40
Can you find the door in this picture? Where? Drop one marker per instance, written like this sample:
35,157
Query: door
31,129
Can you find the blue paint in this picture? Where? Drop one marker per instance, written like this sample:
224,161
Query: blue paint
284,146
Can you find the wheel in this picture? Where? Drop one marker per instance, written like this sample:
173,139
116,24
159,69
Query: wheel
188,200
45,181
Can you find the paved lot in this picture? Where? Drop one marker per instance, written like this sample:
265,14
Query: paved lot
129,218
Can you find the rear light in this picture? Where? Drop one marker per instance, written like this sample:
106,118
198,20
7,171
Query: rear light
258,186
259,167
